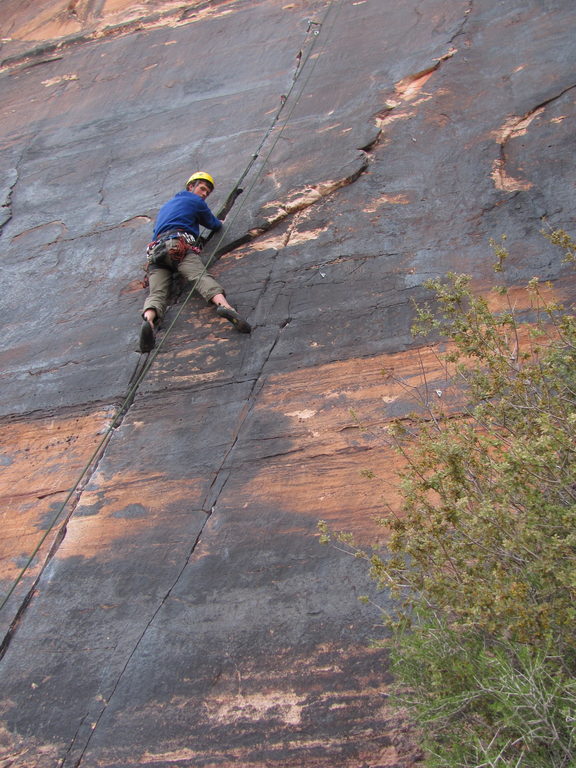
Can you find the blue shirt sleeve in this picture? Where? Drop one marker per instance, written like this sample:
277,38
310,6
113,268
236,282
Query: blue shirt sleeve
186,211
207,219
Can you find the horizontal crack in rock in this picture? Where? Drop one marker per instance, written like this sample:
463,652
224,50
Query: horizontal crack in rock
304,199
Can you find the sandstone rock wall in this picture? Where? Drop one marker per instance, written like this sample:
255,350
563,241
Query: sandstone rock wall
165,600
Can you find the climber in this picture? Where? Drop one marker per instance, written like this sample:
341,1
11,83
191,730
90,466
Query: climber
175,249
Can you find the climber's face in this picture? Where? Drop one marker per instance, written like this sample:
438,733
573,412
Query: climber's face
201,188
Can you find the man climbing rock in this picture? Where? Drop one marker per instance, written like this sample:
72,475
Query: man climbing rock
175,249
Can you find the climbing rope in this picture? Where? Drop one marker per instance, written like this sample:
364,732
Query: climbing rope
285,112
316,27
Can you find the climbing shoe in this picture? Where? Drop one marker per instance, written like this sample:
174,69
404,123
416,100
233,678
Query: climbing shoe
230,314
146,337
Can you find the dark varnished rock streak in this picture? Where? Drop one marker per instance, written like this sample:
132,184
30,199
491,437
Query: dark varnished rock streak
174,607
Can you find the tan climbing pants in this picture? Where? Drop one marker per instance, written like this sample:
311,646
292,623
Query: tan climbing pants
160,279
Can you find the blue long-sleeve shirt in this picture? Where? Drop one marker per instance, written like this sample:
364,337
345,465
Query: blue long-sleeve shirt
186,211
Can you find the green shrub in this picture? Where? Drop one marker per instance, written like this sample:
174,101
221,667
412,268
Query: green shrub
482,555
483,701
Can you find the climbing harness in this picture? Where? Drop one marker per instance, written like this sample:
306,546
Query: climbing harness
170,249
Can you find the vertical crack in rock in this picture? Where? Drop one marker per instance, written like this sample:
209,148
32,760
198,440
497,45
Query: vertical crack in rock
222,473
461,28
302,56
106,166
100,701
463,23
61,519
89,723
6,206
70,504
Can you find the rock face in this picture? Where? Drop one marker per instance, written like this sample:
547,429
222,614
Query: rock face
165,599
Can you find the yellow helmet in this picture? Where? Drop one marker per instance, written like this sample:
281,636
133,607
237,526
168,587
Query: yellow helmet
201,176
